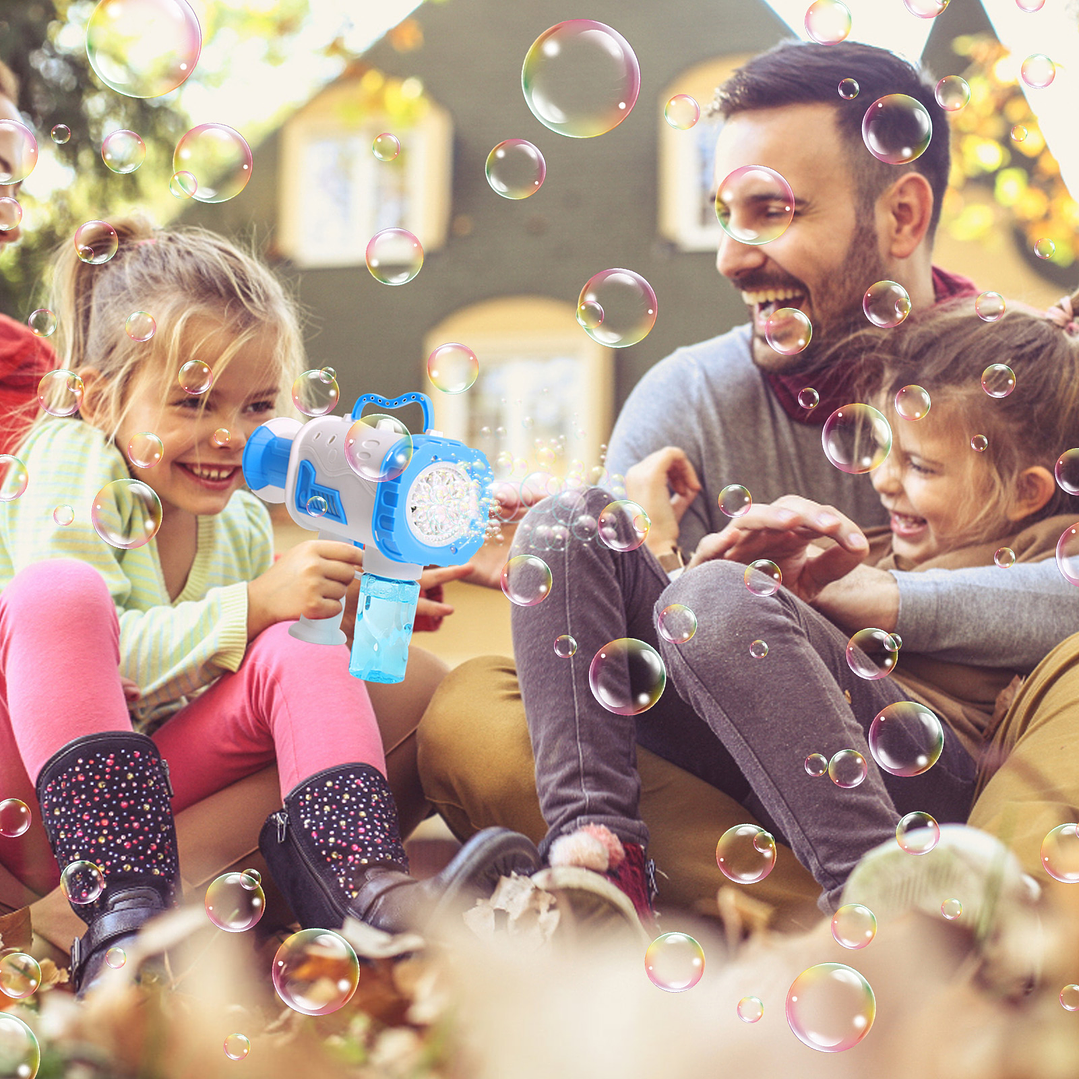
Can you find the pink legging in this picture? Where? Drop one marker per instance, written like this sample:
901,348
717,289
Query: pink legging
59,679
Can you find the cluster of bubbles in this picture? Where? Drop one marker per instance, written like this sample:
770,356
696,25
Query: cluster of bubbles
235,901
674,962
746,853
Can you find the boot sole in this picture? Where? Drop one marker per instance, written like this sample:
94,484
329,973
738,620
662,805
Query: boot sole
592,901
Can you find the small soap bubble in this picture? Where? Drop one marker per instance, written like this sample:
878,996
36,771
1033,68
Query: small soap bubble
96,242
627,676
1060,853
218,157
1004,558
847,768
856,438
183,184
195,377
1066,471
952,93
674,962
896,129
140,326
145,449
848,89
626,305
1044,248
126,513
990,306
872,654
1030,5
979,443
1067,554
998,380
60,393
20,152
906,738
250,879
735,500
758,649
116,957
886,304
912,402
589,314
315,971
526,580
42,322
917,833
1038,71
623,525
565,647
1019,133
394,256
232,904
585,527
827,22
746,853
754,204
515,169
854,926
386,146
682,112
898,640
222,437
317,506
830,1007
1069,998
10,213
237,1046
763,577
13,477
676,623
20,1054
15,818
63,515
315,395
816,764
453,368
750,1009
82,882
951,909
926,9
60,133
123,151
808,397
20,976
328,374
788,331
580,78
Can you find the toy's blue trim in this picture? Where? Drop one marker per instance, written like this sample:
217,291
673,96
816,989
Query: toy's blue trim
265,459
307,487
398,402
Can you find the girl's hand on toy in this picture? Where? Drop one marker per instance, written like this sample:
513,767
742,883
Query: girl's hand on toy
663,484
132,693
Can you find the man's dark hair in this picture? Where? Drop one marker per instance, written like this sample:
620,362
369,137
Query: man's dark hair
804,73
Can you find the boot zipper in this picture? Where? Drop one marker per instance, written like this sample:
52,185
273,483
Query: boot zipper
281,817
168,778
336,899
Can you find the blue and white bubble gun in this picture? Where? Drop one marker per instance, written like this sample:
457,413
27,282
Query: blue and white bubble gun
431,510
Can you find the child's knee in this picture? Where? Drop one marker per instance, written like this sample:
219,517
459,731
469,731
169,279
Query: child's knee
75,584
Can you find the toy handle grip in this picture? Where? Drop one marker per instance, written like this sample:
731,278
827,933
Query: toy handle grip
398,402
322,630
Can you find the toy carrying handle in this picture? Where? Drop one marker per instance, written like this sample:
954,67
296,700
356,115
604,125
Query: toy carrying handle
398,402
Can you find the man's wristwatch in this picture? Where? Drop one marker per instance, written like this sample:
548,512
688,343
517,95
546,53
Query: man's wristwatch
671,562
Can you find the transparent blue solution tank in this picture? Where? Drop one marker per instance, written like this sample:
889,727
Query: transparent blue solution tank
384,615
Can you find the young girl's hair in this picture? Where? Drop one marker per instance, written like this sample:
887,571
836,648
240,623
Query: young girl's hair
947,350
191,281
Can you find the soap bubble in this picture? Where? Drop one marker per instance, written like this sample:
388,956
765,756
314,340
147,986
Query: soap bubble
183,184
218,157
394,256
1030,5
10,213
82,882
746,853
676,623
754,204
750,1009
735,500
123,151
20,1054
232,904
60,393
1069,998
317,506
848,89
872,654
763,577
808,397
565,647
886,304
1004,558
758,649
453,368
623,525
1066,471
627,676
20,976
1037,71
952,93
315,971
589,314
979,443
998,380
627,307
682,112
63,515
1060,853
827,22
951,909
250,879
917,833
15,818
1019,133
314,393
515,169
372,455
856,438
906,738
674,962
386,146
13,477
96,242
195,377
830,1007
580,78
990,306
816,764
145,449
140,326
60,133
913,402
526,580
116,957
1067,554
926,9
854,926
20,152
896,129
1044,248
126,513
42,322
788,331
847,768
237,1046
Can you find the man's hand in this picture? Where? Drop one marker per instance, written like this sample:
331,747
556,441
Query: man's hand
864,597
664,485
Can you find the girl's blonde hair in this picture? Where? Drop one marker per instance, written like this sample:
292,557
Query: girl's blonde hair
947,349
190,280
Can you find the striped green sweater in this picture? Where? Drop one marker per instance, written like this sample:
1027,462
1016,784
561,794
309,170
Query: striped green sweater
170,649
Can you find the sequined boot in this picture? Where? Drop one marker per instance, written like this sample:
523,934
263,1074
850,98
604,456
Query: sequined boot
105,801
335,850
